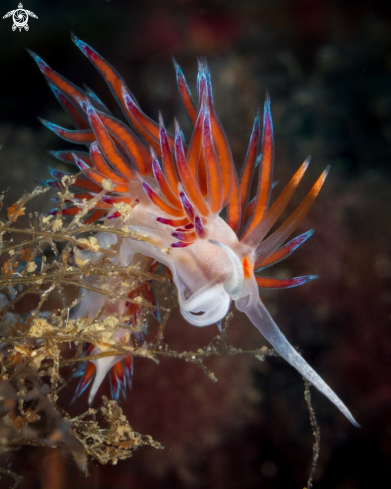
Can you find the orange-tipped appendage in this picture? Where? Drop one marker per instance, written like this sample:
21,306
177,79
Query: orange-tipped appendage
188,181
102,167
265,169
165,188
275,240
247,172
184,92
159,202
129,141
214,179
167,158
108,148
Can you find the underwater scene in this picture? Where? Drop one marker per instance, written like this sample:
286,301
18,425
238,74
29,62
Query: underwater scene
195,244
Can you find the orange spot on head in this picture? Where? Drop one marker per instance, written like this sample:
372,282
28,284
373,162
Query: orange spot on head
246,268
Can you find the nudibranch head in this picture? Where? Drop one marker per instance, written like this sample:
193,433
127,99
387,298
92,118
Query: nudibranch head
177,192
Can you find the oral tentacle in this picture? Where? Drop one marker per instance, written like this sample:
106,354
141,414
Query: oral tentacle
213,303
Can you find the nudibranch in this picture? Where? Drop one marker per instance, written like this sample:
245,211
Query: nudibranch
177,192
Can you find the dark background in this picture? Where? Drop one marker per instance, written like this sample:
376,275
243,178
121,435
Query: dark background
327,65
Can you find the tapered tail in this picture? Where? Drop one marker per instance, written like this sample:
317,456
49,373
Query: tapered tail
262,320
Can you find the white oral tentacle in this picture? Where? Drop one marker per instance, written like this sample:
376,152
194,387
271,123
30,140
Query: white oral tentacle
214,303
234,282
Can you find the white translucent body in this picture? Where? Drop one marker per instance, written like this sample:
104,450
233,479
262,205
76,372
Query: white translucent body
207,278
